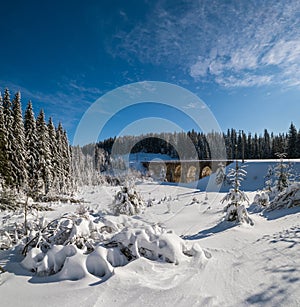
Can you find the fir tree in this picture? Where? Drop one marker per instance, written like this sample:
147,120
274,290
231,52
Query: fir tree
292,142
67,161
44,157
32,157
298,144
55,170
64,164
4,163
235,210
18,153
220,174
282,173
8,137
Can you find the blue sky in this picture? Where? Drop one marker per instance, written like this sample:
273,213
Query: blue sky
242,58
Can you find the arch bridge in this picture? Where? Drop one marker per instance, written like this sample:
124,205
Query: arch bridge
183,171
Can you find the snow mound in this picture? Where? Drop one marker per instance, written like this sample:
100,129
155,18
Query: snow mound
151,242
95,245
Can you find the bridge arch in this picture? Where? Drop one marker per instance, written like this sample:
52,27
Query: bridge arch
206,171
191,174
177,173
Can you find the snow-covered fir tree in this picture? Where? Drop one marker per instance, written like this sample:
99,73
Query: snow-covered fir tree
292,150
67,161
269,179
30,161
84,171
55,158
282,173
127,201
32,153
220,174
8,136
44,157
235,210
64,160
18,154
4,161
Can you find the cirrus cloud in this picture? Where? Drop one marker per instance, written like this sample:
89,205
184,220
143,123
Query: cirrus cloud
233,43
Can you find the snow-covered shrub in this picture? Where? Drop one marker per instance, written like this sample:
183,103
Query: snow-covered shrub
128,202
262,199
152,242
77,229
289,197
124,239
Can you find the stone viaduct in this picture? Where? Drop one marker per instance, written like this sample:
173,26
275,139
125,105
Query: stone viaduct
183,171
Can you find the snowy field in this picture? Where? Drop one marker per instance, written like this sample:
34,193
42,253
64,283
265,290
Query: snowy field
231,265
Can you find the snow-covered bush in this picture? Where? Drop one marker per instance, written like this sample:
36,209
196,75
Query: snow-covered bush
262,199
234,210
289,197
152,242
113,241
69,229
128,202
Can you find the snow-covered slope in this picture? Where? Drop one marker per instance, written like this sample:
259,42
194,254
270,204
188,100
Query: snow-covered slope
256,172
242,265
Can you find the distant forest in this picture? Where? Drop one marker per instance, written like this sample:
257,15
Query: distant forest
237,144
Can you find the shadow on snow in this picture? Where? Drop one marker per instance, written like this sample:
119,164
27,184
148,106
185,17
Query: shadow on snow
278,213
222,226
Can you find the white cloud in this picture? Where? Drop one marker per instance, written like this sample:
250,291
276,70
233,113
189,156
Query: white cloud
250,43
283,52
245,81
199,69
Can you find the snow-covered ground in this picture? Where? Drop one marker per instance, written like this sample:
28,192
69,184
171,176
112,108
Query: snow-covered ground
241,265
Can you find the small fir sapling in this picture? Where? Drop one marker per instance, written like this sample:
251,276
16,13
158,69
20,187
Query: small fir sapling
269,179
221,177
235,210
282,173
128,202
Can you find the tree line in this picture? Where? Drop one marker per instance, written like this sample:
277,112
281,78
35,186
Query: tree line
232,144
35,156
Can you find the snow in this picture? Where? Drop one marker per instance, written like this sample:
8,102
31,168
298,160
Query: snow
226,265
255,180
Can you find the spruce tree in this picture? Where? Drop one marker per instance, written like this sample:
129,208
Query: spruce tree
55,170
32,154
292,141
64,163
8,137
298,144
44,157
67,161
18,153
282,173
4,163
